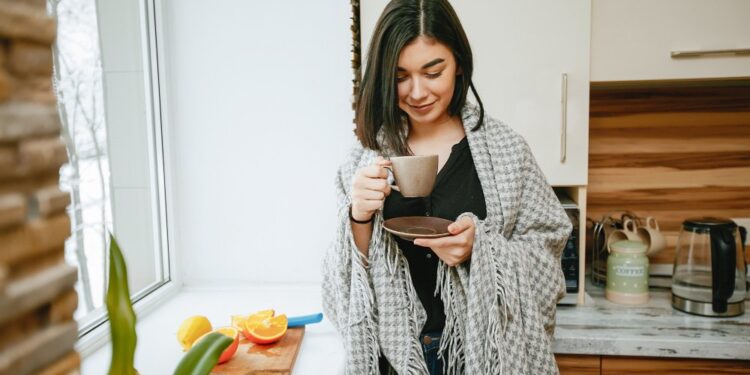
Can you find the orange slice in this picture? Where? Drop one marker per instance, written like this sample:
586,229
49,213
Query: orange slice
238,321
267,331
230,332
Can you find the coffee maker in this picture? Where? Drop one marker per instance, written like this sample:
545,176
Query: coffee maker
709,275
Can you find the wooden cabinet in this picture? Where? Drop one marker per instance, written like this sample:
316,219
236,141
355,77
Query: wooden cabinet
633,40
611,365
531,71
570,364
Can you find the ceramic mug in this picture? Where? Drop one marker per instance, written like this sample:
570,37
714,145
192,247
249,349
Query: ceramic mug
652,236
628,232
414,176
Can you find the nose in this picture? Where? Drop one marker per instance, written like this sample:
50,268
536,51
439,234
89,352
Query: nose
418,91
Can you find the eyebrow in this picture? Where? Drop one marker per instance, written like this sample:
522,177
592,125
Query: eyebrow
425,66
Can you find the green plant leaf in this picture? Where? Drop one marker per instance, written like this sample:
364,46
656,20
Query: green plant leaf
121,315
204,355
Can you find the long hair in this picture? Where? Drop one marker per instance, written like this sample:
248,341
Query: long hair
401,22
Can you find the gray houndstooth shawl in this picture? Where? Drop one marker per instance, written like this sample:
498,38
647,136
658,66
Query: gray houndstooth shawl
500,315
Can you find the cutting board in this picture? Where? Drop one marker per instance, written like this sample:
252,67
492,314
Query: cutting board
274,359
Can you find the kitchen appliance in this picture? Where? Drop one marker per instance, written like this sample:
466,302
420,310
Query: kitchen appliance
709,275
569,258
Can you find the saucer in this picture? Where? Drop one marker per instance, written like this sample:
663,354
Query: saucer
412,227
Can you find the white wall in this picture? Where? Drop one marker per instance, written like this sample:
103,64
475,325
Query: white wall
258,99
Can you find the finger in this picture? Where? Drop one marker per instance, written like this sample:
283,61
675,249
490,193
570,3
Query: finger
378,184
460,225
436,243
374,171
383,162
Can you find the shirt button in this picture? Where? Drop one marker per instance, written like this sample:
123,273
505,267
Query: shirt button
429,256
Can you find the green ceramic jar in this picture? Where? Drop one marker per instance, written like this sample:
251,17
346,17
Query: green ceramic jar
627,273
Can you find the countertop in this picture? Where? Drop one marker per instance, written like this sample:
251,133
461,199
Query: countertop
599,328
158,352
653,329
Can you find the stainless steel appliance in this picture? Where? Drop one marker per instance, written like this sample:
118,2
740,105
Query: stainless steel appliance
709,276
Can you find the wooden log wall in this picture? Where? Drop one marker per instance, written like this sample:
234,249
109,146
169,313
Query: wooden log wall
671,150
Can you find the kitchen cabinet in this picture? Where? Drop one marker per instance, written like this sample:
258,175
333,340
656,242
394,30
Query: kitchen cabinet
610,365
578,364
531,71
671,366
633,40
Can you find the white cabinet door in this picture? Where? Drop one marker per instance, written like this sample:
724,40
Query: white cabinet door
521,50
633,39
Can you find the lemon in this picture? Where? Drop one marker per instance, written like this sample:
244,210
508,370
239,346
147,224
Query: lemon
191,329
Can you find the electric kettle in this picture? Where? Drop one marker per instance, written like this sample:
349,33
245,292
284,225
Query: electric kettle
709,276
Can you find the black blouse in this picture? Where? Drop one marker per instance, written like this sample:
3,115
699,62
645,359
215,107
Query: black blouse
457,190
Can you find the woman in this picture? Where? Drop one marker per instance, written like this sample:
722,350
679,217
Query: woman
482,300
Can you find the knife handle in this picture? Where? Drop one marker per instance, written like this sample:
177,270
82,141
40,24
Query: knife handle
299,321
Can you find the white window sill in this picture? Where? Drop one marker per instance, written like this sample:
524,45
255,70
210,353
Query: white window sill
158,352
99,336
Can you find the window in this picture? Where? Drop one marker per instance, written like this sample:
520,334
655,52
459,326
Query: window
78,86
109,106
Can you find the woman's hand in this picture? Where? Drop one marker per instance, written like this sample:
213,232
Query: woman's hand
455,249
369,189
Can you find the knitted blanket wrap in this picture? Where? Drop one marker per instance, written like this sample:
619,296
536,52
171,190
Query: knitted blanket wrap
499,305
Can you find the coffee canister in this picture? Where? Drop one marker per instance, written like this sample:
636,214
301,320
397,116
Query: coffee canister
627,273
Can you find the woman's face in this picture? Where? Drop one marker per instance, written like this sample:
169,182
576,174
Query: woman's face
426,77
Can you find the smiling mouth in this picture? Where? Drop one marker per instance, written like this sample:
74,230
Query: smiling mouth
421,106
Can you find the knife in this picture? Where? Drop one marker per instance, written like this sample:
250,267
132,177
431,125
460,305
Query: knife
299,321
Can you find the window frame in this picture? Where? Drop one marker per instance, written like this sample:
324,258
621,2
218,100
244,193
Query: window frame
96,332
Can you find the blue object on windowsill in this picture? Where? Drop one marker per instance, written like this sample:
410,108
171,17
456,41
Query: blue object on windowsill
299,321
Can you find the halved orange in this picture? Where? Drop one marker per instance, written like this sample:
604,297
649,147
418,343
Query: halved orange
238,321
230,332
267,331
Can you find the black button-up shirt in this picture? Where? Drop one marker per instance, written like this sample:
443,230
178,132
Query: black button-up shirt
457,190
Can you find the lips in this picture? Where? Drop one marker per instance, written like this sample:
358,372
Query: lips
422,108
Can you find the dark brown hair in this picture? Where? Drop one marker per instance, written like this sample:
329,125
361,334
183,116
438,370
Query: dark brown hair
401,22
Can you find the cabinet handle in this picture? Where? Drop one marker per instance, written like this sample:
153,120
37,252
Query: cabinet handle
564,120
715,52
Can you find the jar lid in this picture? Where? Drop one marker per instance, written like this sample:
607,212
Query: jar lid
628,247
707,223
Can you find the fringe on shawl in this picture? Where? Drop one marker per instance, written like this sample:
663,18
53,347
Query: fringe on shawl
395,261
499,316
452,341
361,284
499,313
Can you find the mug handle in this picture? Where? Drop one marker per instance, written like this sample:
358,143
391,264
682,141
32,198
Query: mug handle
626,224
394,187
650,220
